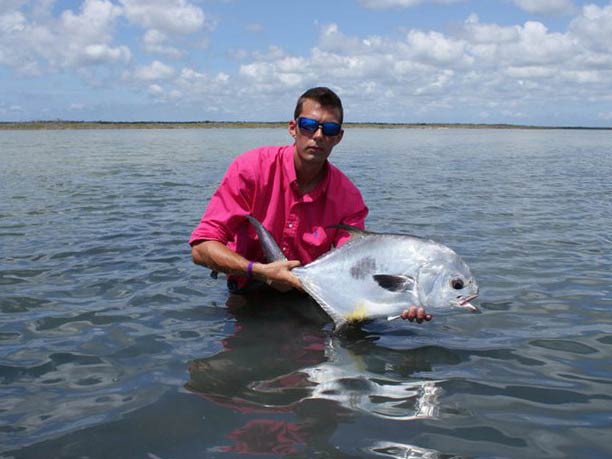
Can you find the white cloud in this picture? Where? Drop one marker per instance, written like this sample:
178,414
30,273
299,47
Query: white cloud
12,22
593,27
212,93
8,6
168,16
94,22
275,68
155,90
160,94
530,72
478,33
437,49
154,37
164,20
155,42
546,6
72,40
332,39
155,71
100,53
480,69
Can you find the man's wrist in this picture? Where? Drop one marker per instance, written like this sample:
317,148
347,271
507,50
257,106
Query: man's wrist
249,269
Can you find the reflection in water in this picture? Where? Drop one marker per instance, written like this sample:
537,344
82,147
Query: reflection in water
345,379
280,360
402,451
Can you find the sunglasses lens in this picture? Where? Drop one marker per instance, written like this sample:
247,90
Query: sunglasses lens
331,129
310,125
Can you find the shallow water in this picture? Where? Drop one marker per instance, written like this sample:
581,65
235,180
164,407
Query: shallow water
112,344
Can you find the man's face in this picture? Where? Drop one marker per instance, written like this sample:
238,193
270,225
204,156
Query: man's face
314,147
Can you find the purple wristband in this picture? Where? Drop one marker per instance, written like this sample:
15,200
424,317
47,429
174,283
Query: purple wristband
250,270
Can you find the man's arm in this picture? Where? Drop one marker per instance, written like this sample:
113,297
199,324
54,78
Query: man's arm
218,257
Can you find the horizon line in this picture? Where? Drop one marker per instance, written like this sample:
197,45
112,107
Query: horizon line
90,124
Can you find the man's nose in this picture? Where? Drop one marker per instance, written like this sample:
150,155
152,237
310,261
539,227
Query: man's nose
318,132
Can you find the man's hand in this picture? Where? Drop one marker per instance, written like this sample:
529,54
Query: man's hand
278,275
415,313
218,257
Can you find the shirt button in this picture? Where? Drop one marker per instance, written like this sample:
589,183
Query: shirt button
290,225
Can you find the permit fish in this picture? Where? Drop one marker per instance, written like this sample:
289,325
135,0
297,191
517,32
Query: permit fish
379,275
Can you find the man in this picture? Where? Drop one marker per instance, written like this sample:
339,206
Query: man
297,195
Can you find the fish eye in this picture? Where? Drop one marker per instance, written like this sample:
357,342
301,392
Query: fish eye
457,284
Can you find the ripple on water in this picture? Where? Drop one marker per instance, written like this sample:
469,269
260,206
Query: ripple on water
96,318
38,373
573,347
102,322
21,304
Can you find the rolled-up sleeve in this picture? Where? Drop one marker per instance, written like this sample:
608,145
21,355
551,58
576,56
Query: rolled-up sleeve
227,207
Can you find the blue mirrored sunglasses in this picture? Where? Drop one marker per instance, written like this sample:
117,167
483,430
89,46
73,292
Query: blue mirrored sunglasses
309,125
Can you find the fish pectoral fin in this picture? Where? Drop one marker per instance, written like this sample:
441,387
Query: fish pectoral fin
394,283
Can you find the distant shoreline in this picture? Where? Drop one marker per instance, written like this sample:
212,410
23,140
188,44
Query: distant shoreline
66,125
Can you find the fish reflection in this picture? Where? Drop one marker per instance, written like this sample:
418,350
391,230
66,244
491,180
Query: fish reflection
275,360
345,379
280,361
403,451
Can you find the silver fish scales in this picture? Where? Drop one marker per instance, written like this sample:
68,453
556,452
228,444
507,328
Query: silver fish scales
379,275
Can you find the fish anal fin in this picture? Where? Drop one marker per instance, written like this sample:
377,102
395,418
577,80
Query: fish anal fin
339,321
394,283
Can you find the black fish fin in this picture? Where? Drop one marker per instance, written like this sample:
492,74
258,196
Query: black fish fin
394,283
269,245
354,231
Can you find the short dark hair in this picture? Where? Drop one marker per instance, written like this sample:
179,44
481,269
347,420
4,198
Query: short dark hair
324,96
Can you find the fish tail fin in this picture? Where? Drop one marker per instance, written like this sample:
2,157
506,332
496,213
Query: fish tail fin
269,245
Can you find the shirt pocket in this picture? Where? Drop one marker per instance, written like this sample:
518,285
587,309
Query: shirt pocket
318,241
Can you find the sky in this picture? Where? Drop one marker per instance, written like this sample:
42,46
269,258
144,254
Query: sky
533,62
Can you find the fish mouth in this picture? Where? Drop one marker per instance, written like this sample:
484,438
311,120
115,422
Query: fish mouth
465,303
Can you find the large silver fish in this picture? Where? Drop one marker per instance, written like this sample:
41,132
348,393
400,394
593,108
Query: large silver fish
379,275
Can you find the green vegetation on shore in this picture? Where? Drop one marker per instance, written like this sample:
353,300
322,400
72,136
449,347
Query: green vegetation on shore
59,125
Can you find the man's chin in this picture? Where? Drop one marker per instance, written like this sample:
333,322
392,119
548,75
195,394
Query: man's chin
316,156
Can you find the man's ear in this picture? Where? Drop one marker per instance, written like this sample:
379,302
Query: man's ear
292,128
339,137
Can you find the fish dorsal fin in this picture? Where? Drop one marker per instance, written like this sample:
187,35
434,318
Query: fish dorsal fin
357,232
394,283
354,231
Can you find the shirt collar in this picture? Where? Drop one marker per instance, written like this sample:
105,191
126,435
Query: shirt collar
289,167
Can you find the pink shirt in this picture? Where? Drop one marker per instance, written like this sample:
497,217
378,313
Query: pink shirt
263,183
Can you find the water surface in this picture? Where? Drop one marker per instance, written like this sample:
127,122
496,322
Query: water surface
113,344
